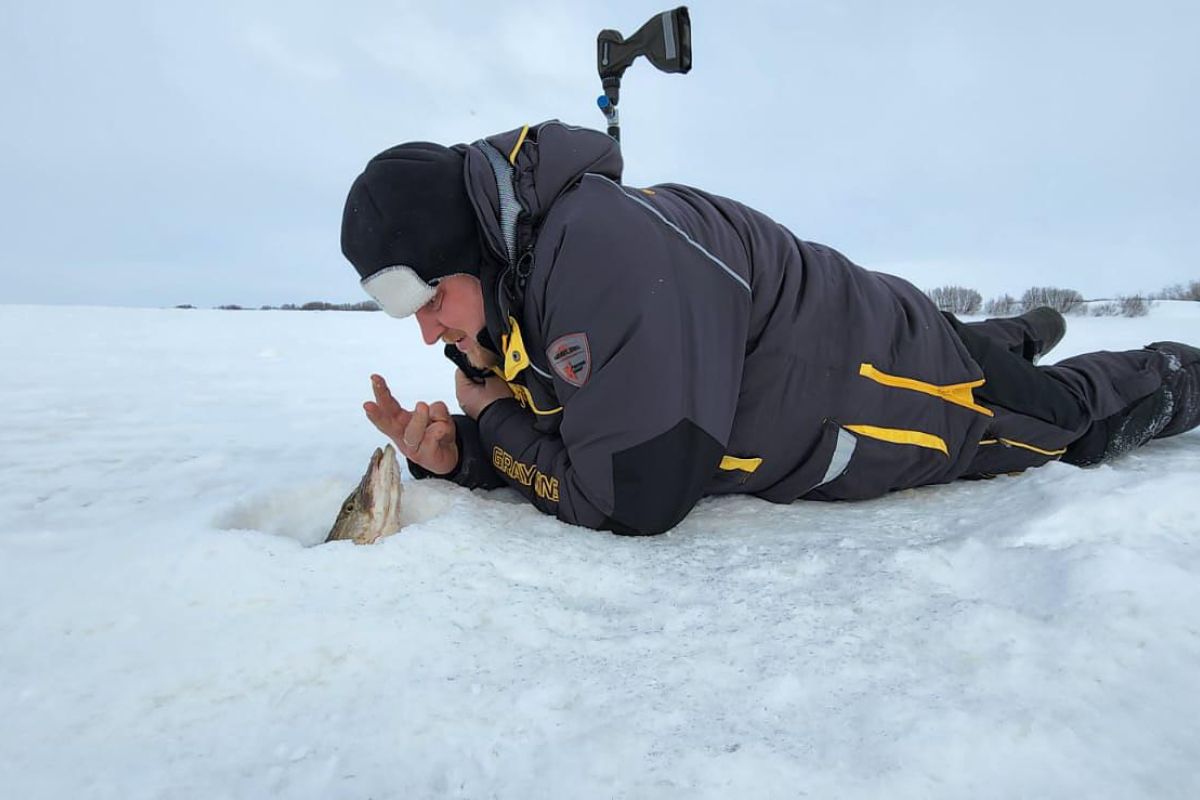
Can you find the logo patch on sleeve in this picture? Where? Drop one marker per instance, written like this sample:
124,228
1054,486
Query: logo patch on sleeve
571,358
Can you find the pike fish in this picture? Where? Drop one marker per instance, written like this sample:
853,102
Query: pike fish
372,510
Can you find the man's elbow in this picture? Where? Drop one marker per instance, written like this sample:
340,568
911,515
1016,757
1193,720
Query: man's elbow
650,517
656,483
621,529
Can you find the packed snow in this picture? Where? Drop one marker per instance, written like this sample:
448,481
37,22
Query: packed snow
171,626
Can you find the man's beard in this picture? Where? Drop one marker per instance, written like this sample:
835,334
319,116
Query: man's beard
481,357
477,353
477,349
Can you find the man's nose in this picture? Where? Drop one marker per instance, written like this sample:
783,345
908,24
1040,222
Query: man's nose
431,330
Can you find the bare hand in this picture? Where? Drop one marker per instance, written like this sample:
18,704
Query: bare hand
425,434
475,397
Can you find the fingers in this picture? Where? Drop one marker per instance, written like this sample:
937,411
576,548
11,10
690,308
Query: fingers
462,382
414,432
438,412
441,425
433,448
421,434
387,415
383,396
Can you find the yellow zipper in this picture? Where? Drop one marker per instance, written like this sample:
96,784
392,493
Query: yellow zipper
512,157
902,436
957,393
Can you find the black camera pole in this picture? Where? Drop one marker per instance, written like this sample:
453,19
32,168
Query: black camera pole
666,41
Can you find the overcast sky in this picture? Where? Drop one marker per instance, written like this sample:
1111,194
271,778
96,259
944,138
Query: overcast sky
199,152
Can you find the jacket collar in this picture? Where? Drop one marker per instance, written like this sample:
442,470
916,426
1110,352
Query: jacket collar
513,178
544,160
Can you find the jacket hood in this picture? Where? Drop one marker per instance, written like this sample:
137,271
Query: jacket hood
540,162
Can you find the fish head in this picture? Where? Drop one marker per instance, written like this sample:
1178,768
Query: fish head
372,509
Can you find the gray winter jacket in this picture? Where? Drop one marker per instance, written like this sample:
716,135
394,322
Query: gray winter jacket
666,344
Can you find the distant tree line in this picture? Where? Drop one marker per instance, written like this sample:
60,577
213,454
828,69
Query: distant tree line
955,299
965,301
1130,306
314,305
1190,291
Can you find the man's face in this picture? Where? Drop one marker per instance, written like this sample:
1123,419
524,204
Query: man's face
455,315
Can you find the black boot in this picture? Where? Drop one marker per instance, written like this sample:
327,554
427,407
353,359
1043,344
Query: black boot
1029,336
1172,409
1182,385
1046,329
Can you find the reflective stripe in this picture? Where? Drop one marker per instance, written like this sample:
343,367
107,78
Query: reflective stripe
901,436
957,393
509,207
512,157
744,464
541,372
668,34
846,442
675,228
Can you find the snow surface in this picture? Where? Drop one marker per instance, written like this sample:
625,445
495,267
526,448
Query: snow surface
168,630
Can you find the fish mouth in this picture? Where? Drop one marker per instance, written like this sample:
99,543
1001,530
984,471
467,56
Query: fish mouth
383,484
370,481
373,509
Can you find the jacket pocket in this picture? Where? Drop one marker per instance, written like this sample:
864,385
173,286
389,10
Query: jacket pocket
825,462
732,475
882,460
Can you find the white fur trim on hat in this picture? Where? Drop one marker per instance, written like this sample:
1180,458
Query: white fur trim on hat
398,290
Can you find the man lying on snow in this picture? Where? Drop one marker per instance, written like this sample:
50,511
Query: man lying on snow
647,347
